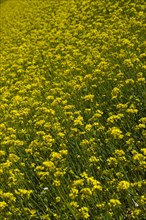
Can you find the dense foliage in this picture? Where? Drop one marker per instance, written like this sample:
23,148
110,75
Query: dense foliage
72,114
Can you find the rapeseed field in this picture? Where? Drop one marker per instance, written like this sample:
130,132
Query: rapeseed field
73,109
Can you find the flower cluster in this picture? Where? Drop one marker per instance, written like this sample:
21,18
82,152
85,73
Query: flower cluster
73,123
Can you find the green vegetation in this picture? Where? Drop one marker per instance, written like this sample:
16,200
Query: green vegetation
72,113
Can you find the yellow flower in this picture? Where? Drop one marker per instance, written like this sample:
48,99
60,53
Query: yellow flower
33,213
112,161
88,127
123,185
87,110
7,164
49,164
13,158
97,187
100,205
59,173
115,118
23,192
129,81
78,120
141,79
119,152
56,156
115,92
137,184
135,213
2,127
97,115
61,134
89,97
9,196
86,191
2,153
94,159
74,204
143,150
56,183
143,200
84,212
138,157
128,63
58,199
114,202
121,106
84,142
79,182
39,123
74,193
3,205
69,107
132,110
116,133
